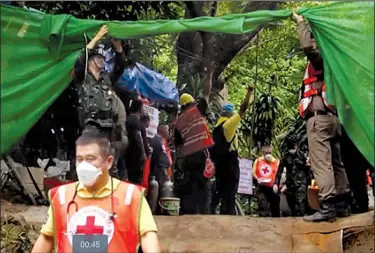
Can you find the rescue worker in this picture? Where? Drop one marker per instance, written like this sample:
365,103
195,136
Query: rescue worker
136,155
99,213
100,108
297,178
323,133
225,156
264,171
192,137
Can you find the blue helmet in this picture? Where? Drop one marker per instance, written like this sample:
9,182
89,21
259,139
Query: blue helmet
228,108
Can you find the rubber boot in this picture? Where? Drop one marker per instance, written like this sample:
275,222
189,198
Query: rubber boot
327,212
343,208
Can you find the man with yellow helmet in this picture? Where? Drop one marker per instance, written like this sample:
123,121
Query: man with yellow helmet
192,138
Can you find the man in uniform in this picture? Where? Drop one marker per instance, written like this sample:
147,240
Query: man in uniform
99,213
323,133
297,173
225,156
100,109
264,171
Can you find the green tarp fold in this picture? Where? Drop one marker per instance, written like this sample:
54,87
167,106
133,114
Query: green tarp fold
345,33
38,52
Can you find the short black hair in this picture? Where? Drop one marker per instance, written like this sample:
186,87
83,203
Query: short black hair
95,137
144,118
136,106
291,143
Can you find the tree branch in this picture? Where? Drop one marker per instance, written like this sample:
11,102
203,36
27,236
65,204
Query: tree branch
214,8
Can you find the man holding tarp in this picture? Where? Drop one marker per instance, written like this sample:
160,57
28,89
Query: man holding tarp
100,108
193,138
323,133
225,155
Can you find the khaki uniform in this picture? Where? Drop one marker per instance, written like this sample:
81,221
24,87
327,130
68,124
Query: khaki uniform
323,133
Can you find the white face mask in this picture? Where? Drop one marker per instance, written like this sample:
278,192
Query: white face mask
292,151
268,157
87,173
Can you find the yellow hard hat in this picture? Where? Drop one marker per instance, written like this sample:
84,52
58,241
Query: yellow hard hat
186,98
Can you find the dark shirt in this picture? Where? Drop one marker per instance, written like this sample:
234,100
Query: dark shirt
145,140
202,106
296,169
159,159
135,155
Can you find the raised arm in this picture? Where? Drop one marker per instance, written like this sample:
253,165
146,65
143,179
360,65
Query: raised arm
208,83
119,61
79,67
244,105
313,54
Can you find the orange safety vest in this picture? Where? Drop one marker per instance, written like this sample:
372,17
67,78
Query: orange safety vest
310,77
92,217
145,174
194,130
369,179
266,171
168,153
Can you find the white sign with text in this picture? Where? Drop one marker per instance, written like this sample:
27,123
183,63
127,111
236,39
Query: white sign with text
245,179
153,113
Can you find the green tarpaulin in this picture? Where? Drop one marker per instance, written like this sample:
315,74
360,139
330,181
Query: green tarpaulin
345,33
38,52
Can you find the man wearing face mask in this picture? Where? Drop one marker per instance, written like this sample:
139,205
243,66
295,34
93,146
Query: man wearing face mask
264,171
99,213
297,173
99,106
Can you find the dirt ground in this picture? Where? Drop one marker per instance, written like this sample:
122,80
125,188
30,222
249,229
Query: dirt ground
363,241
214,233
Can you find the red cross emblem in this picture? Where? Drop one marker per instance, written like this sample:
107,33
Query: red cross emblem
89,228
90,220
265,170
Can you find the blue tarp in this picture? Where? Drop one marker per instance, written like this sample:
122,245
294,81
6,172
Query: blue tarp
149,84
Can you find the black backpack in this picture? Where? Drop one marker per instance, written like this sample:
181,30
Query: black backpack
221,146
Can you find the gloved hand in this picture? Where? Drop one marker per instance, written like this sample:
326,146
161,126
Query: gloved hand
308,161
275,189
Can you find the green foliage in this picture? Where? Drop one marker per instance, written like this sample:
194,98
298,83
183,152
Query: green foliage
274,65
108,10
195,88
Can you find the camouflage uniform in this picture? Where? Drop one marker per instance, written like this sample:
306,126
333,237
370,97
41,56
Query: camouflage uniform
99,106
297,180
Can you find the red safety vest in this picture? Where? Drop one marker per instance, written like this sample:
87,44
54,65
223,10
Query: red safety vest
168,153
306,98
266,171
194,130
92,217
145,174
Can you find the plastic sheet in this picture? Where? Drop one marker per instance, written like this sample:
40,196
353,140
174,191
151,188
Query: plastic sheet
149,84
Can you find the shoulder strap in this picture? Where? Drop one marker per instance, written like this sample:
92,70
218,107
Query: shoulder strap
233,138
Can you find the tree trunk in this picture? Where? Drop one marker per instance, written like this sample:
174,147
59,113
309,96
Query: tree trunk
196,49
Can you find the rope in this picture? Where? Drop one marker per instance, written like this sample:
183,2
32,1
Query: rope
255,97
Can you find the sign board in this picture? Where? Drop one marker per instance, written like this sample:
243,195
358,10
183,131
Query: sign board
245,179
153,113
